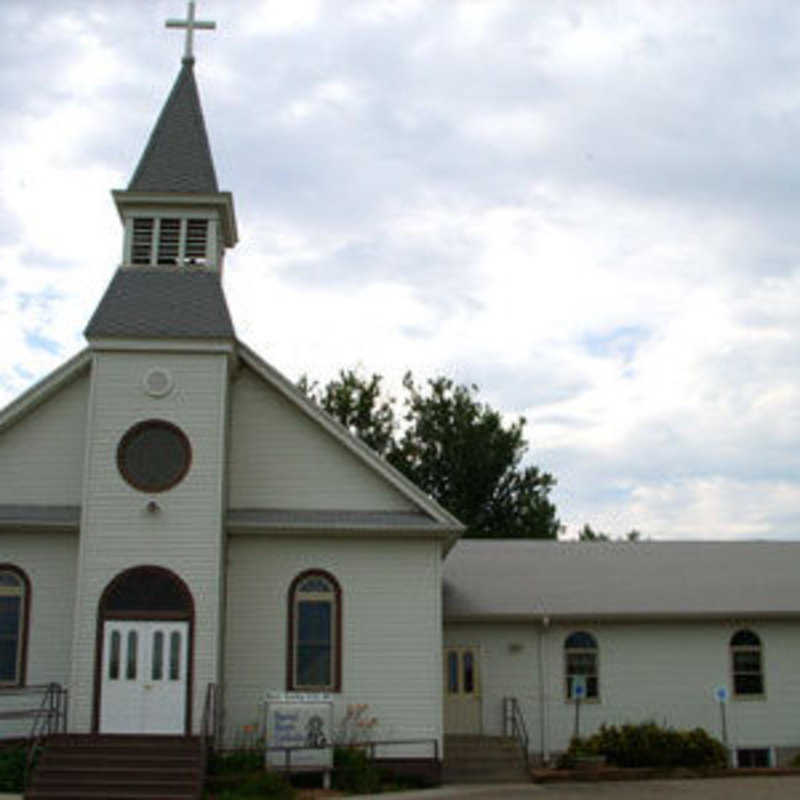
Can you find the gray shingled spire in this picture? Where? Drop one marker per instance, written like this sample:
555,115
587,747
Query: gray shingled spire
177,157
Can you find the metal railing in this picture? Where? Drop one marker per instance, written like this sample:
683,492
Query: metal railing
208,725
369,747
514,725
47,718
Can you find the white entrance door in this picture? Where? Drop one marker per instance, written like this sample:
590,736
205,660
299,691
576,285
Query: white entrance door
462,690
143,685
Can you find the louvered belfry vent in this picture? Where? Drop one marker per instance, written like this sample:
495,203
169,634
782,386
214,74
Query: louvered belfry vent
170,241
142,241
196,241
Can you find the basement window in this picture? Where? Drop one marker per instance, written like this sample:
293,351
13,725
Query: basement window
753,757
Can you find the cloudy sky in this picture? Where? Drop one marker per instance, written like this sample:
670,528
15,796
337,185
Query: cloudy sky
590,209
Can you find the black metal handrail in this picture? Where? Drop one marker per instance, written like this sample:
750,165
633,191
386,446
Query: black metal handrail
208,727
514,725
47,718
369,746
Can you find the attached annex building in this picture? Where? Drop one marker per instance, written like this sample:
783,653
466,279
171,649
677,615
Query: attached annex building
174,513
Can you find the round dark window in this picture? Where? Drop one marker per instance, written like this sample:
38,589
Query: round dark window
154,455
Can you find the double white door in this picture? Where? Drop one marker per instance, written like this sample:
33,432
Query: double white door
143,685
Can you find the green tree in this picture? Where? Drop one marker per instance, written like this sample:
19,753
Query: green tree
588,534
451,445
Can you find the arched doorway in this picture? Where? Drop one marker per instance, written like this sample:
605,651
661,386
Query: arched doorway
144,654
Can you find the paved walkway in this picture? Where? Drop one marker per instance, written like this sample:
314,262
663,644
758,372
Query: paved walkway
746,788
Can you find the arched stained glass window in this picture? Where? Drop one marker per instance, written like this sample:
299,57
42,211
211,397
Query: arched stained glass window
580,666
314,633
14,601
746,664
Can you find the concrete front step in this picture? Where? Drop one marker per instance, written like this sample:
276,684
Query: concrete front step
483,759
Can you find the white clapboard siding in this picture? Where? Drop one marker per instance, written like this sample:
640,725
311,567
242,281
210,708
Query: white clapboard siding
184,534
49,560
661,671
281,458
391,620
41,455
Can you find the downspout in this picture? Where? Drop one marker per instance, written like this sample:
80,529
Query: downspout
543,727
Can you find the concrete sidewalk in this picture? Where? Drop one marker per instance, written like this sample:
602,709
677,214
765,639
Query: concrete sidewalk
743,788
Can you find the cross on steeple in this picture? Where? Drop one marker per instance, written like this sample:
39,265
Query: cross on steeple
190,24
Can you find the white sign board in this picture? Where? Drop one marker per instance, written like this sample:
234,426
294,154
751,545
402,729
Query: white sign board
578,687
299,721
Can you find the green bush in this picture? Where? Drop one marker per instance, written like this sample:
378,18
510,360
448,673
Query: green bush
650,745
354,772
264,785
235,761
12,769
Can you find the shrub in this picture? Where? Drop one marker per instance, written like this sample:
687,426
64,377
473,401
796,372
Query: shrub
650,745
262,785
12,769
354,772
235,761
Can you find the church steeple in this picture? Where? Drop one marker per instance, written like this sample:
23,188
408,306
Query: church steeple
177,157
177,226
173,211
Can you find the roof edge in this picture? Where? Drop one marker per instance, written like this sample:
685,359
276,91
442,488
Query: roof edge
546,620
352,443
44,389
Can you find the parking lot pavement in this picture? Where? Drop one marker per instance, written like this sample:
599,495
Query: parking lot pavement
745,788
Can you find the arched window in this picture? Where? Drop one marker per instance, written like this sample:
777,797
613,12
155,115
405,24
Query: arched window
580,665
746,664
315,632
14,604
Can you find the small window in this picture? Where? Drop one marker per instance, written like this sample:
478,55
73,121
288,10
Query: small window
175,656
157,667
462,676
746,664
133,645
580,665
452,672
314,608
753,757
13,625
113,658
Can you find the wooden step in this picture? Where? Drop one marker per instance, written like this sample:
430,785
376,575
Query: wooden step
119,768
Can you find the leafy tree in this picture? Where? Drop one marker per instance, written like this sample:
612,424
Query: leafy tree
451,445
588,534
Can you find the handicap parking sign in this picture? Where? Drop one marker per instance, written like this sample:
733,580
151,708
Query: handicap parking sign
578,687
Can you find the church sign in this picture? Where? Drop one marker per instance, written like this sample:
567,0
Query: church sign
300,723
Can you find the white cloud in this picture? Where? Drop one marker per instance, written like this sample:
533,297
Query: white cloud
588,208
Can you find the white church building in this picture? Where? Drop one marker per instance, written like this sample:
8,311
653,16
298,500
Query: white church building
175,514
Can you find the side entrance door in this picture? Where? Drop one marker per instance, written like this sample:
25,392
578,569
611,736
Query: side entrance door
462,693
144,676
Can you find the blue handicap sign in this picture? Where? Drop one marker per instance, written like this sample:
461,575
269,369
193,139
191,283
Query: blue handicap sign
721,694
578,687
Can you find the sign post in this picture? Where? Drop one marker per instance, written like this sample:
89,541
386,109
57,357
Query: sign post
721,696
578,693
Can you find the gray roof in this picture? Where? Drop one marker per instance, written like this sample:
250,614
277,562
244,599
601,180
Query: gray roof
39,516
177,157
513,578
162,303
255,518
